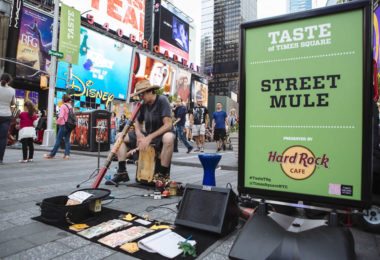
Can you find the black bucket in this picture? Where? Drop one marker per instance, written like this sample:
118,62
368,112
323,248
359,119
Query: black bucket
55,211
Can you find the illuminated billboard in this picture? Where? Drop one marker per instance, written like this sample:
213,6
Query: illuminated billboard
103,70
34,43
182,85
174,35
126,16
157,72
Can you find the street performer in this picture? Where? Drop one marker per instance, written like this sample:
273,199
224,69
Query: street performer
153,126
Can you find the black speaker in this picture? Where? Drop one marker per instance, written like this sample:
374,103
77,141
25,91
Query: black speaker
206,208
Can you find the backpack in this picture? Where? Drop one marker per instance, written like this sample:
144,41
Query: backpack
71,122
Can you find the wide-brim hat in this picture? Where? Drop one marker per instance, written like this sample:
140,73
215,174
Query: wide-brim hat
142,86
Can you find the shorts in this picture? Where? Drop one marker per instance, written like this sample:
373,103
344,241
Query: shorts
219,134
198,130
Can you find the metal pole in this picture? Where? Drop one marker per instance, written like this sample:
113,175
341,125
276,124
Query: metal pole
49,134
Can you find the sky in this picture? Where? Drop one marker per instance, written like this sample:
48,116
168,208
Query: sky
265,8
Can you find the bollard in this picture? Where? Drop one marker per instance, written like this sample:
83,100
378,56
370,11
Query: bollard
209,162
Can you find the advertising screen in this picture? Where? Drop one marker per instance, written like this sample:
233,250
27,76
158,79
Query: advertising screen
182,85
103,68
34,43
306,105
157,72
125,15
200,91
174,35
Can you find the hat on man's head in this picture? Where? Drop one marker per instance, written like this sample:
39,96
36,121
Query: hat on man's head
142,86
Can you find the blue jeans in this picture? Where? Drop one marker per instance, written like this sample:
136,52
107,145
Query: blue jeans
182,136
113,135
4,127
63,133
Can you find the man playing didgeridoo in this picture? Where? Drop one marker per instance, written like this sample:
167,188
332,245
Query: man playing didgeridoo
153,126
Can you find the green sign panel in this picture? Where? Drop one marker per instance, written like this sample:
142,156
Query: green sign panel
304,104
69,35
56,54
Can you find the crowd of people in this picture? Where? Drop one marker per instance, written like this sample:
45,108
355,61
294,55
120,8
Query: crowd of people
158,123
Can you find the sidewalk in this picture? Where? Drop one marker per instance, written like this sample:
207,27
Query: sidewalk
228,161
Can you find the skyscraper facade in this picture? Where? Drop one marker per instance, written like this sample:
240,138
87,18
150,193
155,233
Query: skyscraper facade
220,41
299,5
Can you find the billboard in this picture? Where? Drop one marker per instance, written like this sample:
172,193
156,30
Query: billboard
34,43
376,37
200,91
306,106
182,85
174,35
157,72
103,69
125,16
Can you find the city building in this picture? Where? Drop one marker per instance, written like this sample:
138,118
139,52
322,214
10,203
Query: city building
299,5
220,41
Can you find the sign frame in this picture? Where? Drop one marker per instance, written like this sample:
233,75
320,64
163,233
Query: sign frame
366,155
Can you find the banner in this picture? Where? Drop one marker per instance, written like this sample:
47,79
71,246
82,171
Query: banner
182,86
69,34
103,68
157,72
34,43
200,91
123,16
305,95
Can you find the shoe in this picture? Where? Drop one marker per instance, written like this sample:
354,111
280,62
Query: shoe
30,160
175,151
189,149
224,147
22,161
118,177
218,150
202,150
66,157
48,156
196,150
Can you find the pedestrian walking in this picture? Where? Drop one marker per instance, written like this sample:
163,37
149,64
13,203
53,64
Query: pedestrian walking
27,132
180,119
199,120
63,130
7,104
219,123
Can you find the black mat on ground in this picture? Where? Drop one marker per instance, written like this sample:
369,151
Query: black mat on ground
141,186
204,239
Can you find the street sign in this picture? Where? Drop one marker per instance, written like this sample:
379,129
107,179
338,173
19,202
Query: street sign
56,53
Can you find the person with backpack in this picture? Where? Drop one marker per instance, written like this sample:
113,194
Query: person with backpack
65,126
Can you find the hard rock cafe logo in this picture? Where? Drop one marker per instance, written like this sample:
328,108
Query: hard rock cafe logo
298,162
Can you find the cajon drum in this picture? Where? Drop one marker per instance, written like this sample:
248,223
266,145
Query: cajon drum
146,165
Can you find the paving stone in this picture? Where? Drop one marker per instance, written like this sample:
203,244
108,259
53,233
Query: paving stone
367,243
90,252
74,241
4,225
46,236
21,231
43,252
13,246
214,256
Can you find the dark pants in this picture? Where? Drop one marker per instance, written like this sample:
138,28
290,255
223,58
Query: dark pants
182,136
27,143
63,133
4,127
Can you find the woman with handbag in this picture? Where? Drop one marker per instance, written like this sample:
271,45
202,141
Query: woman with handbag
7,101
63,131
27,132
